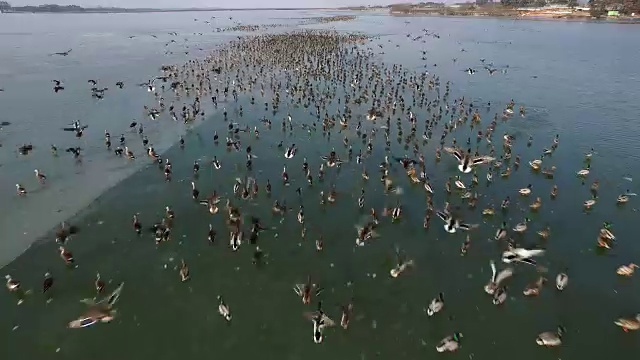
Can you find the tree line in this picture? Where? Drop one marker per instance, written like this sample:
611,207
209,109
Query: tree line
598,7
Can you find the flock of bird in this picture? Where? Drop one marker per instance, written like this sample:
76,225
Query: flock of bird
348,94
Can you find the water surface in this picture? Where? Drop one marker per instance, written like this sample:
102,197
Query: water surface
574,80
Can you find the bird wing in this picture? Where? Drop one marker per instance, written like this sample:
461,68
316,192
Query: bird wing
299,289
526,253
442,215
113,297
527,261
482,160
327,320
464,226
455,152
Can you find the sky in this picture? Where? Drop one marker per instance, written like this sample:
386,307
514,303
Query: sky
206,3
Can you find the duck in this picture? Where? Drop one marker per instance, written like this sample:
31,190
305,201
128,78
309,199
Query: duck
21,190
588,204
545,233
521,227
290,152
195,193
396,212
331,197
588,155
128,153
169,213
99,284
184,271
320,322
216,163
211,234
622,199
346,315
436,305
626,270
101,311
66,255
551,338
497,278
500,295
629,324
466,161
521,255
452,223
64,232
285,176
562,280
450,343
488,212
605,238
536,204
223,309
459,184
534,288
235,239
584,172
549,172
47,283
332,159
427,186
42,178
535,164
12,284
501,233
400,268
211,203
525,191
307,290
413,177
366,232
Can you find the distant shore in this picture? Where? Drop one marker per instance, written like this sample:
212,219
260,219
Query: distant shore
81,10
511,13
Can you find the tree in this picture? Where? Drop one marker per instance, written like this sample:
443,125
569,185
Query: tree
631,6
598,8
4,5
572,3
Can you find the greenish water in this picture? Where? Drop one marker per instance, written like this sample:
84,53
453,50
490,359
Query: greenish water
159,317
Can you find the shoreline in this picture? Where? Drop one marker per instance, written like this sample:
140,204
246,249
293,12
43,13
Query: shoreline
538,17
145,11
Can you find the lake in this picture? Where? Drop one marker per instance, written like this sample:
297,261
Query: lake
576,79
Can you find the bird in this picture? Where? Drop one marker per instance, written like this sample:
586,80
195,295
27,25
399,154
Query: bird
63,53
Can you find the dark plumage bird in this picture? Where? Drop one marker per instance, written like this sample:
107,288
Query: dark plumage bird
25,149
74,150
47,283
63,53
